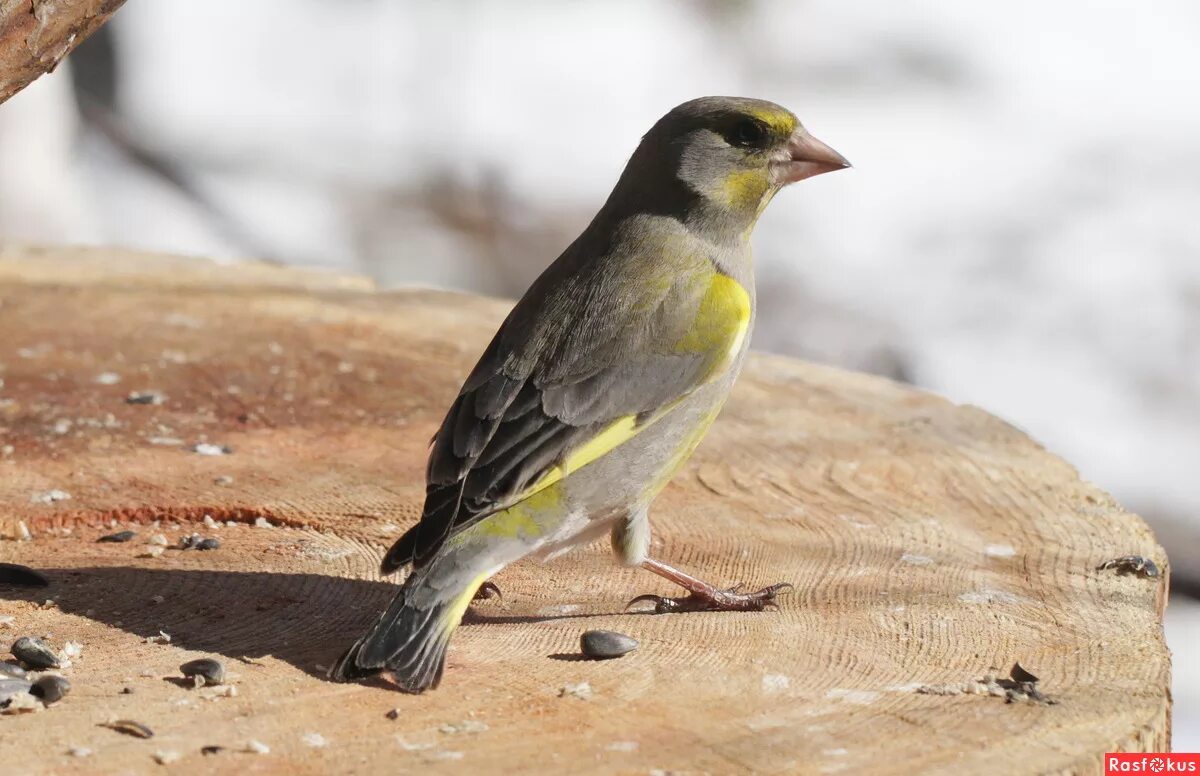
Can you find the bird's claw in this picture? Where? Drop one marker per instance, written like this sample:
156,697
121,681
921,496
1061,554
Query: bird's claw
487,591
717,601
657,599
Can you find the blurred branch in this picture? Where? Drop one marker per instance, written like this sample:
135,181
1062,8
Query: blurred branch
35,35
109,124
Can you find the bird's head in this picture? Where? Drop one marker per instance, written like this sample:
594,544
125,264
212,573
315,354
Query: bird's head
729,155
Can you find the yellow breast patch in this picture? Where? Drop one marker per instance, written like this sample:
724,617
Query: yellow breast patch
720,325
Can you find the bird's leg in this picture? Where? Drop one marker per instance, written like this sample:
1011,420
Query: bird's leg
703,597
487,591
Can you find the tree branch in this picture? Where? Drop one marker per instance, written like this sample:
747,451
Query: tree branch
35,35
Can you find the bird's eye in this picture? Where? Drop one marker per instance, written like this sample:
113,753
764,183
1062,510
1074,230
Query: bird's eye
749,133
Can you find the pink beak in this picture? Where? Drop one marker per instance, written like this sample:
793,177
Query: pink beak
807,157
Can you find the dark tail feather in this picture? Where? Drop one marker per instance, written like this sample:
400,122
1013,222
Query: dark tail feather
401,553
408,640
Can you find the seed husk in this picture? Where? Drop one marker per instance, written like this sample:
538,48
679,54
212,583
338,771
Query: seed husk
31,651
197,542
10,686
15,697
206,670
51,688
145,397
11,671
130,728
21,576
118,537
1132,564
605,645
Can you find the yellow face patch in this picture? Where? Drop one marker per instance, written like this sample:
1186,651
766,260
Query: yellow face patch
744,190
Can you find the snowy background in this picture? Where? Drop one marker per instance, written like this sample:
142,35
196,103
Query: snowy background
1021,230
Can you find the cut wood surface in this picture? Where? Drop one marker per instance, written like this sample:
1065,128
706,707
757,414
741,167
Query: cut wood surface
931,546
35,35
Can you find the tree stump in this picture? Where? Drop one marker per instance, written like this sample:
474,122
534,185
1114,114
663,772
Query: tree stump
932,547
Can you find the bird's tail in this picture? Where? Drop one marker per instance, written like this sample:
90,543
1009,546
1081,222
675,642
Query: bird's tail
411,637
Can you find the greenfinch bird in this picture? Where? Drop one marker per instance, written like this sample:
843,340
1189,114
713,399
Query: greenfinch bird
600,383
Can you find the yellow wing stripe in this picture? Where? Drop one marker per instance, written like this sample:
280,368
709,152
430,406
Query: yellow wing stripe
615,434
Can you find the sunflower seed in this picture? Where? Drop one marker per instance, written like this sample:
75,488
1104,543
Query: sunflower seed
118,537
604,645
31,651
51,688
206,670
208,544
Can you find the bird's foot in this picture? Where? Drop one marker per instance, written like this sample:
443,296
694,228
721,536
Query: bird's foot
487,591
716,600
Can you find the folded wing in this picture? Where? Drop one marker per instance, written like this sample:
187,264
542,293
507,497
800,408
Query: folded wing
577,369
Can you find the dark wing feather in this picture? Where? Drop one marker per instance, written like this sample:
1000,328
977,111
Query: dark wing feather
572,357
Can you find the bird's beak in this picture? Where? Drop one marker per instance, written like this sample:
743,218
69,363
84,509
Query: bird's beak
805,157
